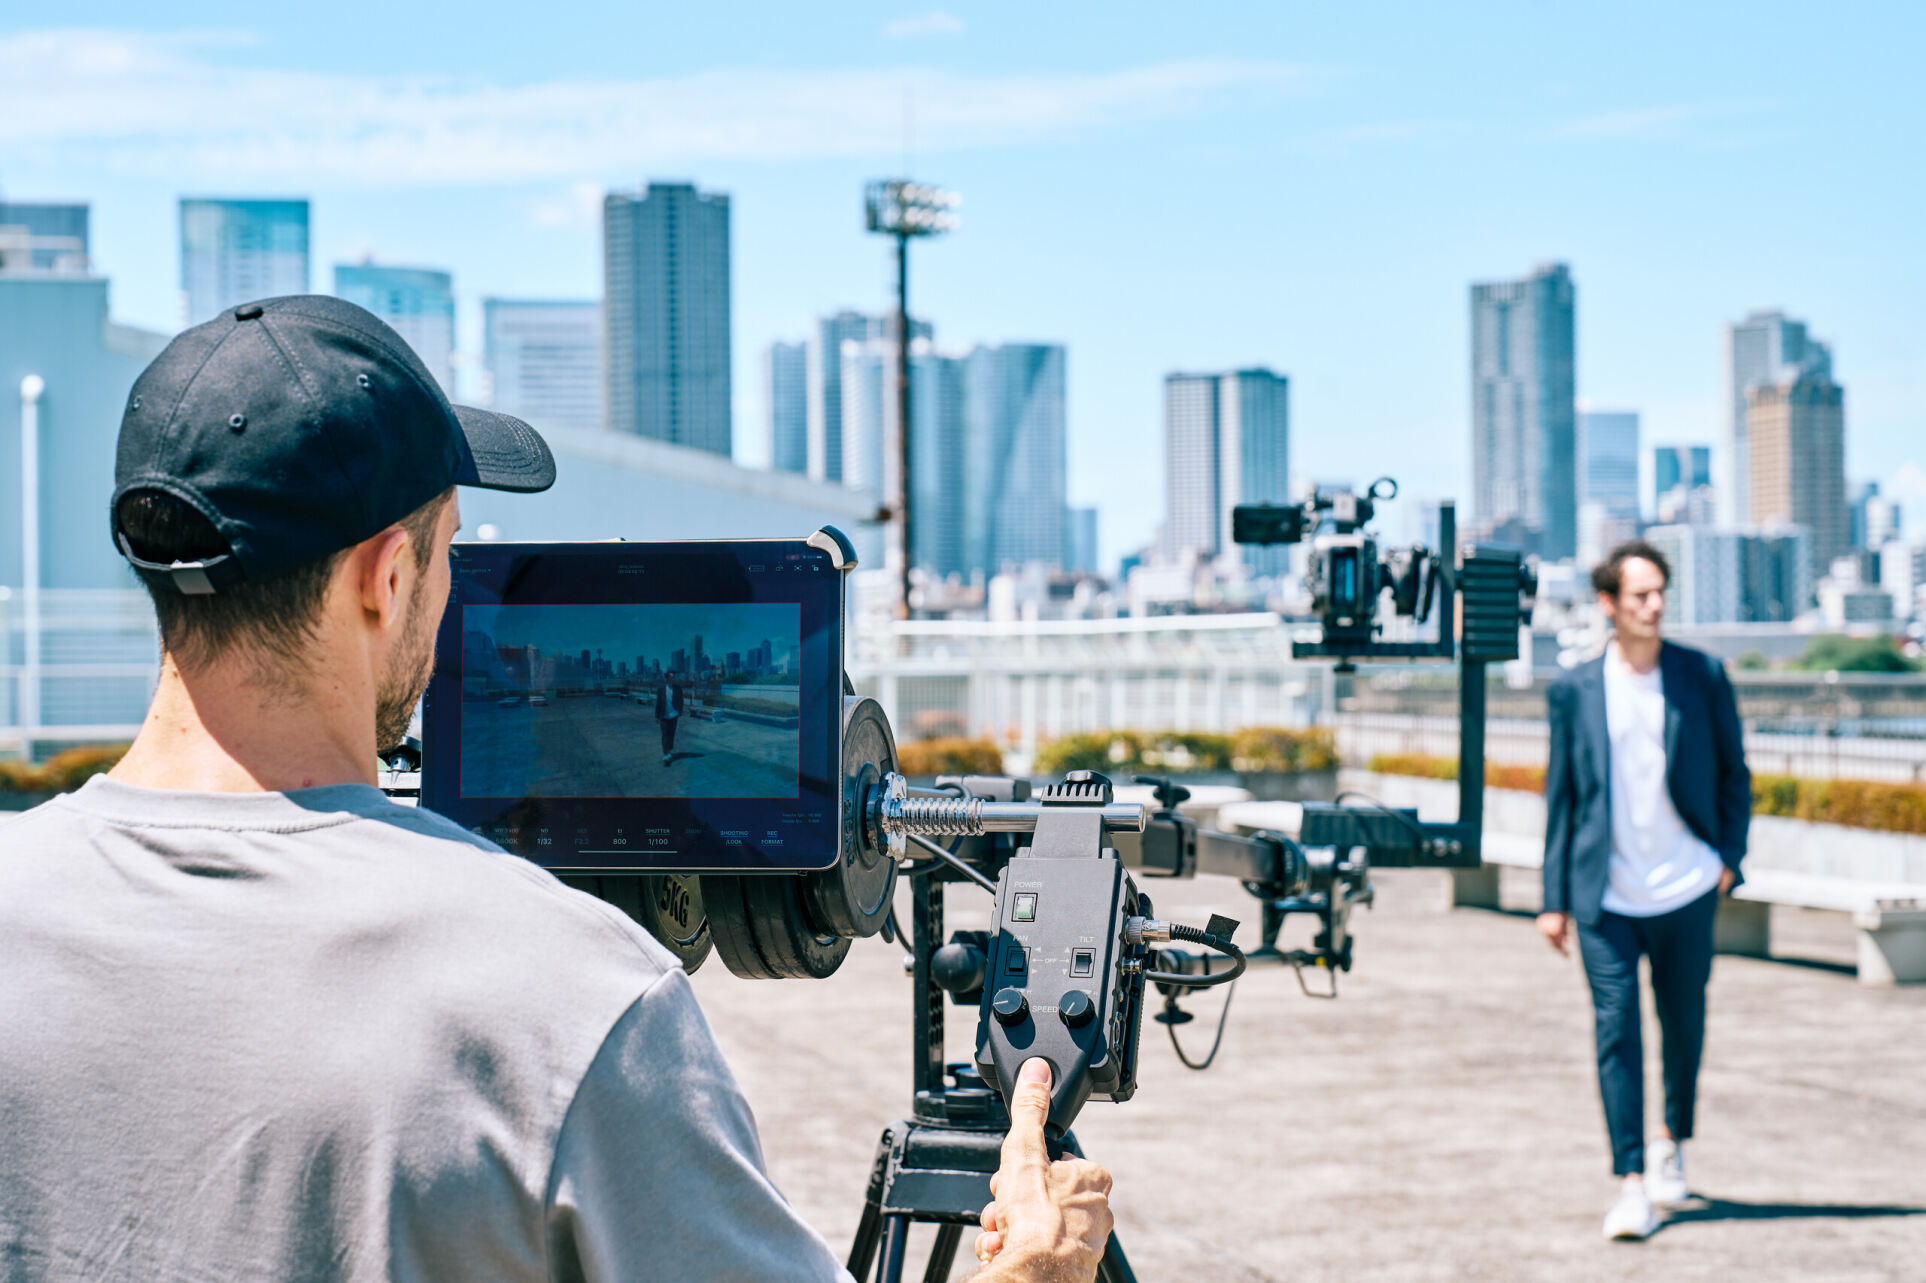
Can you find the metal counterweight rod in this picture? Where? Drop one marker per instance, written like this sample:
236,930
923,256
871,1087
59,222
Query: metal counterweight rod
898,814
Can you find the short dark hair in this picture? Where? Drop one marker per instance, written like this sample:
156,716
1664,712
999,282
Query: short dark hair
1609,574
277,614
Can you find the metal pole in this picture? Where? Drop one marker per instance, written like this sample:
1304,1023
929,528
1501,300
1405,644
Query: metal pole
30,389
903,426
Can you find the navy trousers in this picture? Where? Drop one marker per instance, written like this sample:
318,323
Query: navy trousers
1679,944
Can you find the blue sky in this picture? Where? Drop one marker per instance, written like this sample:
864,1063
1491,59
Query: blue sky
1309,187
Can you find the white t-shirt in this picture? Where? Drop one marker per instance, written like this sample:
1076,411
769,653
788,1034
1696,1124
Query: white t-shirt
1657,863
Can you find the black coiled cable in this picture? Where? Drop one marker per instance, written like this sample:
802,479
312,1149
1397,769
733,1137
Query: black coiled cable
1197,935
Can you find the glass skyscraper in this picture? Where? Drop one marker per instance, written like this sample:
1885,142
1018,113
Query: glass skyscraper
1226,442
419,302
236,251
1608,461
1767,347
666,300
785,378
1523,371
1678,465
824,428
1015,460
544,360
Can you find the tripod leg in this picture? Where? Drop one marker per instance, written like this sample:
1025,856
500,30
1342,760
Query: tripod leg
896,1229
943,1255
869,1229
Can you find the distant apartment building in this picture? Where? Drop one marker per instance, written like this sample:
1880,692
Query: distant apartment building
824,422
666,298
785,382
1680,465
43,236
1766,347
237,251
1740,575
1523,411
1608,460
940,492
1081,556
938,495
1226,442
1015,464
1608,507
544,359
1873,519
1796,458
418,302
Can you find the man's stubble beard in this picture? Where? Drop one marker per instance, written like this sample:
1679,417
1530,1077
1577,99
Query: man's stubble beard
406,678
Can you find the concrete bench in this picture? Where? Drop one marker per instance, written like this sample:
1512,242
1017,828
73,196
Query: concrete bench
1888,917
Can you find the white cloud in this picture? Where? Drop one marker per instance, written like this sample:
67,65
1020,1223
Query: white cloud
168,107
1646,123
578,205
934,23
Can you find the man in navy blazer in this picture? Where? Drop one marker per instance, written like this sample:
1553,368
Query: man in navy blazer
1647,802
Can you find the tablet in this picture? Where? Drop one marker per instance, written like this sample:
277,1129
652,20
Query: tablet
642,707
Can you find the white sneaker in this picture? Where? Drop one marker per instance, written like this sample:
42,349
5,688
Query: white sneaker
1631,1216
1665,1173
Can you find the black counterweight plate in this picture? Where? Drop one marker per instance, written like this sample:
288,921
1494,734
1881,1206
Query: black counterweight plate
763,930
729,925
852,898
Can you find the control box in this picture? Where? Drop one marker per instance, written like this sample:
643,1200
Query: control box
1061,982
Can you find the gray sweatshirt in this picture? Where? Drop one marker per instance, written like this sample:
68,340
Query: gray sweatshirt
316,1035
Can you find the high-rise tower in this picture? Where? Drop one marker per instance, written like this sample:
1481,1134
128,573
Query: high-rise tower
236,251
1523,411
666,309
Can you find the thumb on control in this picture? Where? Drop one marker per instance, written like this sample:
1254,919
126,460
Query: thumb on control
1029,1110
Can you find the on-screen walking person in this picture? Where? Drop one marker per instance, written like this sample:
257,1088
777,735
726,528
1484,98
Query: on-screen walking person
668,711
1647,804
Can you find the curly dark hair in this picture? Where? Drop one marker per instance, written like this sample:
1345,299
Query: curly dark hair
1609,574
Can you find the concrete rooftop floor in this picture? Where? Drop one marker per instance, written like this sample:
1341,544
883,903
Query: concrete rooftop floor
1439,1121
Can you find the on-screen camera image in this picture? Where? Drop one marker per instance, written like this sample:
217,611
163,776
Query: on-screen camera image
631,700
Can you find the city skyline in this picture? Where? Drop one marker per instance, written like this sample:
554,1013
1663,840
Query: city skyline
1621,166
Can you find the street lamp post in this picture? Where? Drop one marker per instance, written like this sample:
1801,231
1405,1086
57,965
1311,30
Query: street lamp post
29,703
899,208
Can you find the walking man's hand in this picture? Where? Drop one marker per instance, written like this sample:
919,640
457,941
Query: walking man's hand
1050,1220
1557,930
1726,878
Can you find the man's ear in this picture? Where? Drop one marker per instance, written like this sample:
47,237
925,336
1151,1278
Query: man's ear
379,574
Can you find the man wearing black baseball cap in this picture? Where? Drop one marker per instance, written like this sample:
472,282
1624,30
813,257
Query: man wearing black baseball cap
257,1021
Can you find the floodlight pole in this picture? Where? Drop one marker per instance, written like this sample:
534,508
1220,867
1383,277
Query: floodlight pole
902,209
904,434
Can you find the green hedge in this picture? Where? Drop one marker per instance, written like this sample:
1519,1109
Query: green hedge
1498,775
1120,754
949,755
1858,804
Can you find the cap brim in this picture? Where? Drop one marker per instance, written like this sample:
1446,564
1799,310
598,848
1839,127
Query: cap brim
503,453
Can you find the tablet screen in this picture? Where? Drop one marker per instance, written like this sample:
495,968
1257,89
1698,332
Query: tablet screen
640,706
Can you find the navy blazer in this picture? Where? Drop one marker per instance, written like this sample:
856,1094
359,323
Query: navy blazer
1705,771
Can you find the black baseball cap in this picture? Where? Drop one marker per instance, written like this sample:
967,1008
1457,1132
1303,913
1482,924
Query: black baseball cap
300,426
